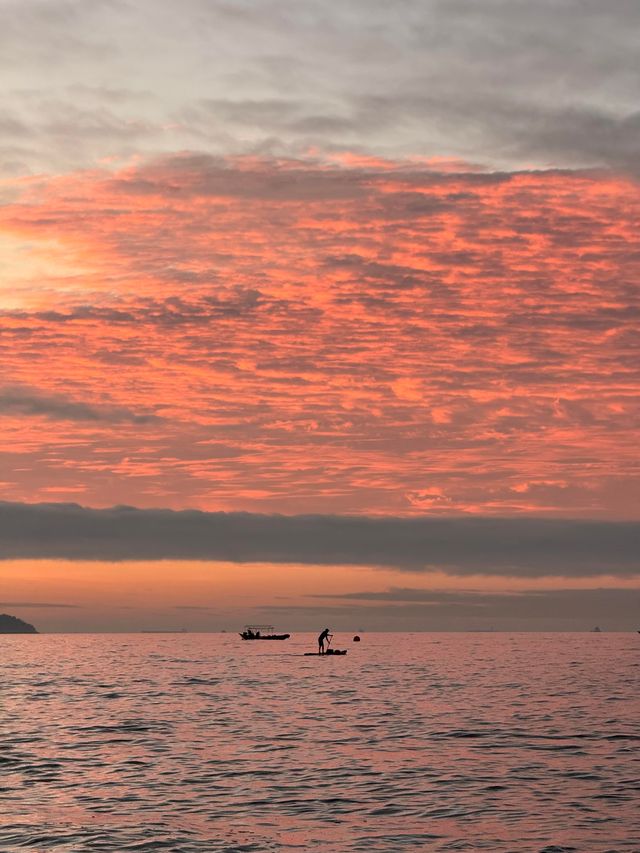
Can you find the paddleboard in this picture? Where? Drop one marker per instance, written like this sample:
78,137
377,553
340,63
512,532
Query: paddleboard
330,653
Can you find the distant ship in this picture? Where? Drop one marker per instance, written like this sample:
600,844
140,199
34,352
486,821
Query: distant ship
596,630
164,631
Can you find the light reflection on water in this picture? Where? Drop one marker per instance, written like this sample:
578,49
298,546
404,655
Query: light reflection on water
202,743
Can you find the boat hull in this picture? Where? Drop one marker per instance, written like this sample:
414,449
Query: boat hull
267,637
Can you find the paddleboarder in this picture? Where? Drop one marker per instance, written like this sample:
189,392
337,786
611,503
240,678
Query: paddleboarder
325,635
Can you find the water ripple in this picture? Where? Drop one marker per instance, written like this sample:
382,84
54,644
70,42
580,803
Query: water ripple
203,744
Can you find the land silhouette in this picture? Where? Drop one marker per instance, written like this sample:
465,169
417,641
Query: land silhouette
13,625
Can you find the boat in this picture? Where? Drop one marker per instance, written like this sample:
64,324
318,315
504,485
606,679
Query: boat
261,632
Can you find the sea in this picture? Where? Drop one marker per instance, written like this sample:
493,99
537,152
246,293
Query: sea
203,743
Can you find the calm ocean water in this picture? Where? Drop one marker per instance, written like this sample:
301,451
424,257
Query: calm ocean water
202,743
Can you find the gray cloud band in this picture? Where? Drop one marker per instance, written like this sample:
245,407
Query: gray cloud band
27,402
496,81
499,546
437,609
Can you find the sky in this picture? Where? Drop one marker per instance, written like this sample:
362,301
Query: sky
318,312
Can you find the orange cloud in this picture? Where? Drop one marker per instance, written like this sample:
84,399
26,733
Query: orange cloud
298,337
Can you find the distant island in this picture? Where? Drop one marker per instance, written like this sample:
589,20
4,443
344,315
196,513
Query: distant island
13,625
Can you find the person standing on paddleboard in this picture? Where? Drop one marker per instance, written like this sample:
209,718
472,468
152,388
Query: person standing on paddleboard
324,636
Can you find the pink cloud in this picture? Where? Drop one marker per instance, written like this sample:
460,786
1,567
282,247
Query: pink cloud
289,336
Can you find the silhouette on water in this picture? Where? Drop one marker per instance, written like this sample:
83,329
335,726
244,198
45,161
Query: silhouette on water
325,635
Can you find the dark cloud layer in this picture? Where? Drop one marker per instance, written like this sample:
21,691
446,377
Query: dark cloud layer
522,603
501,546
420,609
28,402
39,604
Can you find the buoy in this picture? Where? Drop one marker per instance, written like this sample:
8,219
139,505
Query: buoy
356,639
